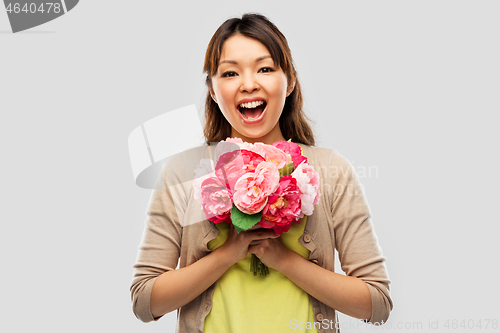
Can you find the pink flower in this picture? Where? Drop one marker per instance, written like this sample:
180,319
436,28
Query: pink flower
283,206
229,145
293,149
272,154
203,171
253,188
308,183
241,143
232,165
216,200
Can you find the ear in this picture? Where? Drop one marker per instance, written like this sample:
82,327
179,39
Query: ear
213,96
290,88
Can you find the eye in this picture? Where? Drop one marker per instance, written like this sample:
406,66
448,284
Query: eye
266,70
229,74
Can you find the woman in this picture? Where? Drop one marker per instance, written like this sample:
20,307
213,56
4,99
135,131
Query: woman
254,94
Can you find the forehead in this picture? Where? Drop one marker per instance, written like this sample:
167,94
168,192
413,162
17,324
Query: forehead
240,48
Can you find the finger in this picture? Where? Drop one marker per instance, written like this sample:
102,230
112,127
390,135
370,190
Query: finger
255,249
257,226
258,249
256,242
262,234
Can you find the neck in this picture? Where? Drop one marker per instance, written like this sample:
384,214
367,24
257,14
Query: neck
268,139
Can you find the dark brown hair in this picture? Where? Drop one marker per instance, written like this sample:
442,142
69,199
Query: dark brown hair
293,121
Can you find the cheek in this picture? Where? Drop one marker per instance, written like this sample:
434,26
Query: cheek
281,84
280,89
224,93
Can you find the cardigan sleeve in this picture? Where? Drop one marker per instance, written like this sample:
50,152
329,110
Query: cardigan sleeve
359,252
159,249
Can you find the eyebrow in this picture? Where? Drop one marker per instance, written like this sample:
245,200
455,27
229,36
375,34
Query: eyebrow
235,63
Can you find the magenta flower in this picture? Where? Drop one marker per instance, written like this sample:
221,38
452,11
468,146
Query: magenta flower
225,217
283,206
293,149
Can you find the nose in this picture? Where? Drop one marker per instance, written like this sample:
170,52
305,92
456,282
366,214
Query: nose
249,83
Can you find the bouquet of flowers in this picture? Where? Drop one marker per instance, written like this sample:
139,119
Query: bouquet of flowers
270,185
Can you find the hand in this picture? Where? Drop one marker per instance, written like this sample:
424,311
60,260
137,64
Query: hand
271,251
237,244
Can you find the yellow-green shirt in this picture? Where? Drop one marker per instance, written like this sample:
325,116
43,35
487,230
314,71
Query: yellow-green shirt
244,303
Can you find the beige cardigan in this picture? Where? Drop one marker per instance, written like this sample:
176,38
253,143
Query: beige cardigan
176,229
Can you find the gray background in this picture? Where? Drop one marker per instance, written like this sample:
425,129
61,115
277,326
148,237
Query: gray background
408,87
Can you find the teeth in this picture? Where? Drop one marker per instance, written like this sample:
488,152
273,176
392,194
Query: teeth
251,105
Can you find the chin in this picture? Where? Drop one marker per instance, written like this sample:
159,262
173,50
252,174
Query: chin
254,135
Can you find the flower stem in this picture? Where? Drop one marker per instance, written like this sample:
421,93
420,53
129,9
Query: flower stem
256,266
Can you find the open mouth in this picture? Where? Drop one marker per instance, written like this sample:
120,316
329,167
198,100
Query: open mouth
252,110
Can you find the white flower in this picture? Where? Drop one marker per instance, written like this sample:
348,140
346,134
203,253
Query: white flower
308,183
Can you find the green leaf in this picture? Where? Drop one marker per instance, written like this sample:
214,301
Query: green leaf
286,170
242,221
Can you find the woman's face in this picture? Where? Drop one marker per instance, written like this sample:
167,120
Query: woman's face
250,90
